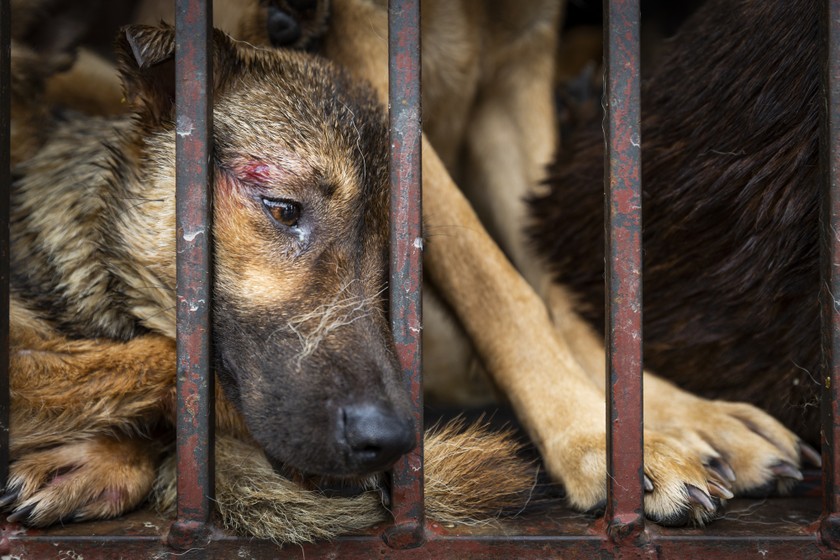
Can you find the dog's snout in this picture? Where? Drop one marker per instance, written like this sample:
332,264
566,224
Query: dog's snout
376,435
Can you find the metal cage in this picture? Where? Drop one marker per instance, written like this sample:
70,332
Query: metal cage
785,528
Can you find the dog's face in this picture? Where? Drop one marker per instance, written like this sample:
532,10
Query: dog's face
300,234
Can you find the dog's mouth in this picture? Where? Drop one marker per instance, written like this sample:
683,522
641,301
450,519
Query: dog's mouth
366,450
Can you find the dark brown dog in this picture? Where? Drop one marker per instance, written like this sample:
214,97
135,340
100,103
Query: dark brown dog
730,206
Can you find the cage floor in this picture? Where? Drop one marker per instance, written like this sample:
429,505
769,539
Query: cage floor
772,528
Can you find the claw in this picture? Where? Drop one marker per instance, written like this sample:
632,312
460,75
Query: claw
648,484
9,498
786,470
21,514
718,490
699,497
722,469
714,476
810,455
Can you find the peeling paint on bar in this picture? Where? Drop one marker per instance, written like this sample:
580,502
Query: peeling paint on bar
406,257
622,183
194,115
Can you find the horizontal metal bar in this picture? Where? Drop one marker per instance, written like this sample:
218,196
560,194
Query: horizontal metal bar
499,547
787,527
622,183
194,141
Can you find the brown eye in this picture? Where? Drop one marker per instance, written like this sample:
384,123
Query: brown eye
286,212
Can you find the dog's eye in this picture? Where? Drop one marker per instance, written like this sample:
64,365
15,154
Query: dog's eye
286,212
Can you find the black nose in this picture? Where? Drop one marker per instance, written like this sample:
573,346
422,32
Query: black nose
283,29
377,436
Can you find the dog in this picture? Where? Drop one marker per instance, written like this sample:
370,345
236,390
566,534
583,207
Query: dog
730,208
300,330
561,360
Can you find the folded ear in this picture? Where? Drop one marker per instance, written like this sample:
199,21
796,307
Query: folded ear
146,61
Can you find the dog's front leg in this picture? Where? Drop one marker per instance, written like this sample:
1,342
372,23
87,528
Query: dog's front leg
87,478
76,388
511,136
82,417
744,450
560,406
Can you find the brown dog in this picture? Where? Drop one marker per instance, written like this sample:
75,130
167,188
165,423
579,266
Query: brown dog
300,232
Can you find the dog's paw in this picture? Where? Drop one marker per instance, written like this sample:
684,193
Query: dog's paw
93,479
679,488
741,445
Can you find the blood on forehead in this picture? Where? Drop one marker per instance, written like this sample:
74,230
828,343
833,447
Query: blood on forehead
264,173
256,172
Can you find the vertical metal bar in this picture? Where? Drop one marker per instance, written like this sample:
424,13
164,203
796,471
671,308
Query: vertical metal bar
5,254
406,255
623,205
830,255
193,148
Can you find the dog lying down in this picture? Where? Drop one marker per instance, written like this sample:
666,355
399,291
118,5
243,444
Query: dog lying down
303,353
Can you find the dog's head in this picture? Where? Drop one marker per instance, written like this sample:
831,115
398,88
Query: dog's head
300,234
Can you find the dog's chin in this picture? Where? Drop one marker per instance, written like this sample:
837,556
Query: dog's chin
333,485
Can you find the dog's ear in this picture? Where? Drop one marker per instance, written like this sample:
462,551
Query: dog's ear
146,61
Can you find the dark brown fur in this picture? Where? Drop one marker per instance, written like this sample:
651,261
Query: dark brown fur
730,209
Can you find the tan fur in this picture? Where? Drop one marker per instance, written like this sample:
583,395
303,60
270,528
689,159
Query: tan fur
700,430
93,478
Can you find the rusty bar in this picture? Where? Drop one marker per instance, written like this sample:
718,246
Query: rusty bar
406,255
193,148
623,207
830,255
5,255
